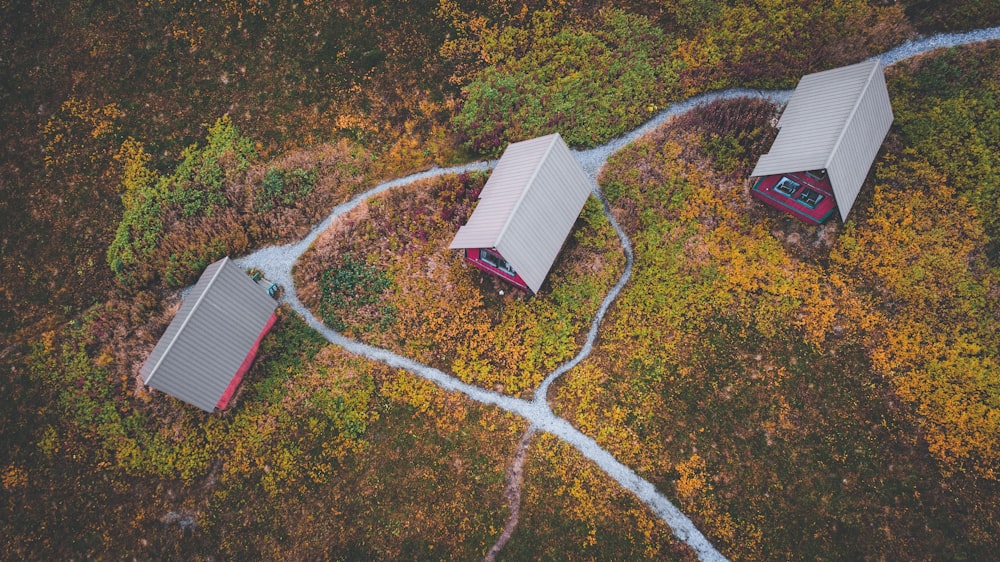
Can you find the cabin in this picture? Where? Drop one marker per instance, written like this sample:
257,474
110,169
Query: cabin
212,341
828,138
525,212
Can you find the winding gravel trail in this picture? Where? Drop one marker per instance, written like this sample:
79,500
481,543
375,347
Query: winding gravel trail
277,261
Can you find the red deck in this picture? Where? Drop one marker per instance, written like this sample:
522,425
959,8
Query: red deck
476,256
803,195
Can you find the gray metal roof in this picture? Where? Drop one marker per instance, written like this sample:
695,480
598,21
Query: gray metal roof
207,341
835,120
528,206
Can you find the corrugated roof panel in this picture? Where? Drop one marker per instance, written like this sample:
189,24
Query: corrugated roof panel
502,192
206,279
210,336
817,114
518,163
854,157
546,216
835,119
832,90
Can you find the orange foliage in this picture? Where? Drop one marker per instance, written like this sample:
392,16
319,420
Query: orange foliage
695,493
921,257
70,133
600,515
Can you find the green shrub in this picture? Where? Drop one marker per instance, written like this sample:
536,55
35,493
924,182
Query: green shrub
353,286
196,185
284,187
141,224
195,188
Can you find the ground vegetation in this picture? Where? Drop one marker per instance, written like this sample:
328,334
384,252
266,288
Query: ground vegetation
799,392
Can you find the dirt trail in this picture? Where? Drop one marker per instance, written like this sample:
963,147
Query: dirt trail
512,494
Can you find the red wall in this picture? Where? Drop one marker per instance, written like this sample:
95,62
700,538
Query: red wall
763,190
472,256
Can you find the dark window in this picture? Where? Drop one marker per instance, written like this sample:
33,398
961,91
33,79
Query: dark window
817,174
809,198
786,187
496,261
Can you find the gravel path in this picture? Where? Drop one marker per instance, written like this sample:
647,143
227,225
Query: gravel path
277,261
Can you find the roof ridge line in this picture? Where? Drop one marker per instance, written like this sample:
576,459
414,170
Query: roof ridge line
854,110
184,324
527,186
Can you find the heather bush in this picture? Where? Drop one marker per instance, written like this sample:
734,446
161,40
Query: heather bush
734,133
284,188
196,189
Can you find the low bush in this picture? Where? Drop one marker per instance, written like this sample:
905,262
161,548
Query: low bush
356,286
284,188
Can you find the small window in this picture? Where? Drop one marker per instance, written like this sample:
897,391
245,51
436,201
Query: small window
786,187
496,261
809,198
489,257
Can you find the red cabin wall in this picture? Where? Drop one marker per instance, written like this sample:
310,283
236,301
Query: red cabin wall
245,366
472,256
762,191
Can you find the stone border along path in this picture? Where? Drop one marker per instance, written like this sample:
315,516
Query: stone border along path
276,263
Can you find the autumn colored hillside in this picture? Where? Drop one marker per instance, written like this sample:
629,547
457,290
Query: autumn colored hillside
799,392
